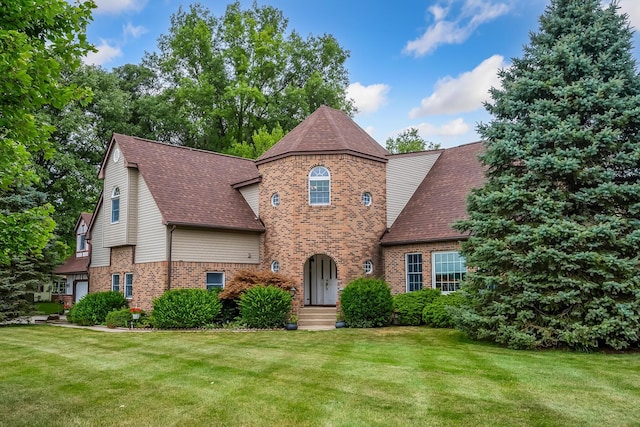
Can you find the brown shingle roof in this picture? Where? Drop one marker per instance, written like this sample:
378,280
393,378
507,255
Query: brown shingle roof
192,187
440,200
73,264
327,130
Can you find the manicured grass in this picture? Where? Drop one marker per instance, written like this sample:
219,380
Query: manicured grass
54,376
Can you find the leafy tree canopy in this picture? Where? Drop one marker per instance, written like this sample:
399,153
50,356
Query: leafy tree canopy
555,231
409,141
37,40
225,78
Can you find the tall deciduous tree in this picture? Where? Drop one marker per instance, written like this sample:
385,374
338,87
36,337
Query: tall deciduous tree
555,231
409,141
37,40
224,78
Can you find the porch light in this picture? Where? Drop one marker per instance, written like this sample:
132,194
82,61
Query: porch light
292,291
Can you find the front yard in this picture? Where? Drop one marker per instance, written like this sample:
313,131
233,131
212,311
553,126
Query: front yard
54,376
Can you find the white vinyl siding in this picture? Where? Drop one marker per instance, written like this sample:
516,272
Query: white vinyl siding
132,215
116,175
251,194
215,246
152,234
100,255
404,175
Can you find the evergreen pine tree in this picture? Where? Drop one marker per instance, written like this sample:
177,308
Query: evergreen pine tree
555,232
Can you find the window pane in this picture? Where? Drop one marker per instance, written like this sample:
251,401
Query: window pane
449,268
115,210
215,280
128,285
115,282
414,272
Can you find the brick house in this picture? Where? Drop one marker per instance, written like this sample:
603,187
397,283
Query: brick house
325,205
75,270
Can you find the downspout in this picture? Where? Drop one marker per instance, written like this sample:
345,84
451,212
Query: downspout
169,263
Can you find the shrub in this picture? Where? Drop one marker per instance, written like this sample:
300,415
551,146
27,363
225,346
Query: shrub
118,318
93,308
408,307
185,308
246,279
230,311
366,303
439,313
265,307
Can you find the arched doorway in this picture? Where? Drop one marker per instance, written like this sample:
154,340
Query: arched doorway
320,280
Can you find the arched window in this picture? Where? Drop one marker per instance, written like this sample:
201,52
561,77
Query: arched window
319,186
275,266
115,205
367,266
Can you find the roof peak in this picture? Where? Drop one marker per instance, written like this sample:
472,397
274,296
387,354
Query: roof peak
326,131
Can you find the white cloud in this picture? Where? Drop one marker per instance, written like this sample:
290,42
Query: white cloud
464,93
105,53
133,31
115,7
631,8
473,13
368,98
455,127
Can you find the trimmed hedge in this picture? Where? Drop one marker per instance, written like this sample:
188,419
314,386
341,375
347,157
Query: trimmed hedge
265,307
119,318
439,314
185,308
93,308
408,307
366,303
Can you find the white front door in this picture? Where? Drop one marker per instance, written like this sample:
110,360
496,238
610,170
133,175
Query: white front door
82,288
321,281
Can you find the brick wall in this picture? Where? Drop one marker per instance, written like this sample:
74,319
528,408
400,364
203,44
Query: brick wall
394,262
150,278
347,230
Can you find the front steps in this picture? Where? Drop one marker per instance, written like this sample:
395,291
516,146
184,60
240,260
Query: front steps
317,318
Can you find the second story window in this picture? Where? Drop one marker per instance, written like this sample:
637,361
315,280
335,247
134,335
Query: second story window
115,205
82,243
319,186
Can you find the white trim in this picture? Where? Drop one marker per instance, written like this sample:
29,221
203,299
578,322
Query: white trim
406,271
113,276
319,178
367,267
275,266
433,267
116,155
115,195
275,200
214,284
126,275
367,198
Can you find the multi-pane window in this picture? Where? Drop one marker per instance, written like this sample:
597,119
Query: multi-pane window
128,285
82,243
366,199
413,265
319,186
115,205
275,199
449,268
367,267
115,282
275,266
215,280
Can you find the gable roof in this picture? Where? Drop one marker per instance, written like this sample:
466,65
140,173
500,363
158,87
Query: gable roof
440,200
75,264
191,187
326,131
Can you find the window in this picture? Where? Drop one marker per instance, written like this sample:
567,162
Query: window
215,280
319,186
366,199
115,282
115,205
275,199
59,288
128,285
449,268
275,266
82,243
367,266
413,264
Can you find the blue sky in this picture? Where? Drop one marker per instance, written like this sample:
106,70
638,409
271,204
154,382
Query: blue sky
426,64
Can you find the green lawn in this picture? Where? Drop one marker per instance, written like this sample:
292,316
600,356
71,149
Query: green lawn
54,376
48,307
